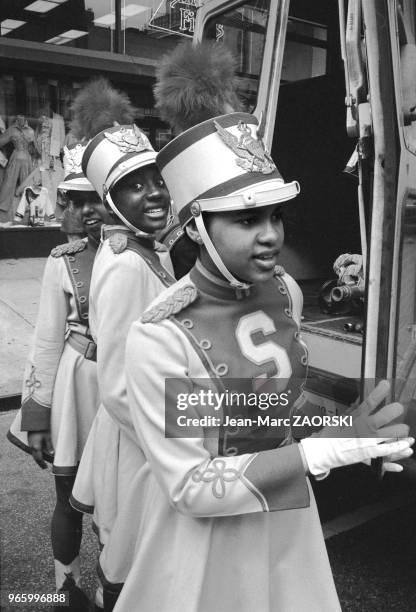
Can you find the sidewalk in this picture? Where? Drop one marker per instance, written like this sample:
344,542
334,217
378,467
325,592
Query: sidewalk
20,283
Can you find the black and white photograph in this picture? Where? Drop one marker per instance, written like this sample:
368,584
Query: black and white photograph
208,305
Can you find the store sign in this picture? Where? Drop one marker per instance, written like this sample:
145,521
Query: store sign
176,16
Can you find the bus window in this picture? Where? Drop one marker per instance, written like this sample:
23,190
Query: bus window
305,50
243,30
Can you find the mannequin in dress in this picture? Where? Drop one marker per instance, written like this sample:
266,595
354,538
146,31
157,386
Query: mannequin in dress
20,163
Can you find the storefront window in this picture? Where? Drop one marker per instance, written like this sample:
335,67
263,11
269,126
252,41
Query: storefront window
34,127
34,130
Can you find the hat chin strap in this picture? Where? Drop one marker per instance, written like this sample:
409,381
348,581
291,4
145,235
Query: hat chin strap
215,255
136,230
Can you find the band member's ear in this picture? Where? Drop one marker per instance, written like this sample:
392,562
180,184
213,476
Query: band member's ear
193,233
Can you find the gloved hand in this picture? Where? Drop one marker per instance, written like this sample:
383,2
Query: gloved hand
40,442
371,436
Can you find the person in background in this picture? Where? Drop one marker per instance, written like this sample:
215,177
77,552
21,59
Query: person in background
128,274
60,391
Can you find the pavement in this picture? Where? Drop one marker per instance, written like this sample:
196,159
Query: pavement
20,284
27,495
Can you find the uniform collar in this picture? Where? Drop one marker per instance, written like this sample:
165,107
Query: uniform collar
211,284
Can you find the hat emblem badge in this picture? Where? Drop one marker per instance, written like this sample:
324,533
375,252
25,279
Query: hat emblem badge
251,153
73,159
129,139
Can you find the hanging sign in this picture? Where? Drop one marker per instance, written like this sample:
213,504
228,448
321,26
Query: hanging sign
176,16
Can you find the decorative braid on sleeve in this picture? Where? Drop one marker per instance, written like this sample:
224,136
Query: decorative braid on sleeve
173,304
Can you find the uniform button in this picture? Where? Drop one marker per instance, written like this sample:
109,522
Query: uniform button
82,299
187,323
205,344
282,290
75,270
79,284
162,274
221,369
288,312
85,315
304,360
70,258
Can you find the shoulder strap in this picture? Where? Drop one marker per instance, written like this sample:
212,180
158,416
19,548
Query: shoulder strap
79,266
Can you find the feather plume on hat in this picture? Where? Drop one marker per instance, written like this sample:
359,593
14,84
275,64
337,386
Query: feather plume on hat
195,83
97,106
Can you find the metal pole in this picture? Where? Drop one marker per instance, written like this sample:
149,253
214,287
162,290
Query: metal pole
118,46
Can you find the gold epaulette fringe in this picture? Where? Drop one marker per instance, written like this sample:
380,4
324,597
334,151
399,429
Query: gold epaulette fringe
173,304
118,242
69,248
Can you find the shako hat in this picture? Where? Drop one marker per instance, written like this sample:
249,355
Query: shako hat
75,179
221,165
113,154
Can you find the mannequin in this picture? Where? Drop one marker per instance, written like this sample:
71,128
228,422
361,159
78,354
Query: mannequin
19,165
49,141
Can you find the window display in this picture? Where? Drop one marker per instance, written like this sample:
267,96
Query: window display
35,115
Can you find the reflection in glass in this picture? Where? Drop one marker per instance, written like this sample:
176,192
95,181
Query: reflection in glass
243,30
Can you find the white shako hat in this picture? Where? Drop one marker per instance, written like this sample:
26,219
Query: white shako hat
221,165
75,179
111,155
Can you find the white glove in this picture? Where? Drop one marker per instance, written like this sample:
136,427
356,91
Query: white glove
369,437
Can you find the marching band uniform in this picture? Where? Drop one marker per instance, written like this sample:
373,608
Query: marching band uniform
60,375
200,501
128,275
60,391
196,502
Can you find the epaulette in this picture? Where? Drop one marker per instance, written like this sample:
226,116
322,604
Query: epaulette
278,270
118,242
69,248
173,304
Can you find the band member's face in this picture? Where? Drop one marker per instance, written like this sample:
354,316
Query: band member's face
143,199
248,242
92,211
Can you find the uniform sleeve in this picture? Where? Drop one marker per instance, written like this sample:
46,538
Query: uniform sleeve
195,482
119,299
48,344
